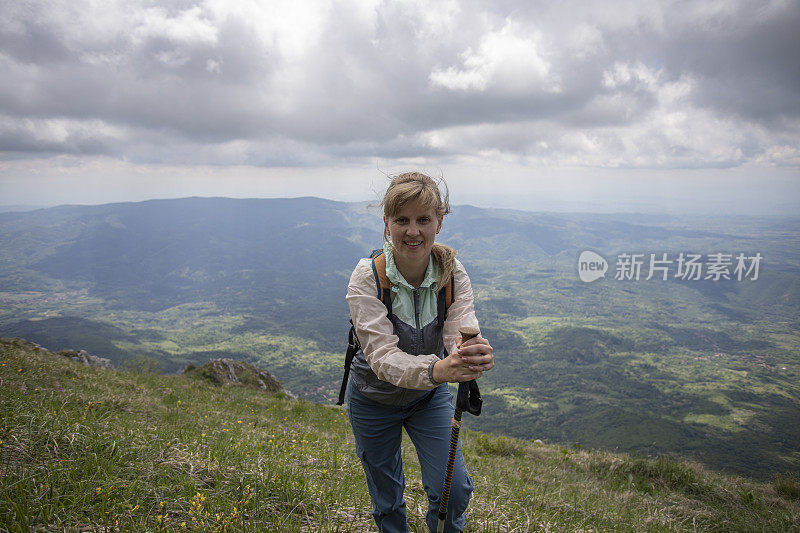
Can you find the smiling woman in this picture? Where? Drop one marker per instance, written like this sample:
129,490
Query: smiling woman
410,347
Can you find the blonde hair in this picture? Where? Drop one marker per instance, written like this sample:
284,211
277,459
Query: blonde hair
418,187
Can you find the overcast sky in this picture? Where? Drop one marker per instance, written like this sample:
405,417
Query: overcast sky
572,105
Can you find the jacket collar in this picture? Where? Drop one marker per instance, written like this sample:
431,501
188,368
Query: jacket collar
396,278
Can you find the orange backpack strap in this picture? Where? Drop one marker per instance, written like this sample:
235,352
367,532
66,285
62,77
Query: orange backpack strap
447,295
450,291
384,286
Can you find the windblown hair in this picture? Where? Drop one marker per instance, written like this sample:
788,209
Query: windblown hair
415,186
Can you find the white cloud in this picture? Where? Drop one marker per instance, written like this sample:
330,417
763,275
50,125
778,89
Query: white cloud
187,26
634,76
289,28
59,134
508,60
584,41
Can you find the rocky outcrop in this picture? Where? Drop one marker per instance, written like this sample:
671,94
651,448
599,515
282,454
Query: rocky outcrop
232,372
81,356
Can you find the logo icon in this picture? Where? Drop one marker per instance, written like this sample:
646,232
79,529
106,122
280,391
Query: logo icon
591,266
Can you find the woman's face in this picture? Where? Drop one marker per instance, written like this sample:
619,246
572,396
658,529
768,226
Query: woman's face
412,232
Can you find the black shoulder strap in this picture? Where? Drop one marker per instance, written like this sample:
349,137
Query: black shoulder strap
352,347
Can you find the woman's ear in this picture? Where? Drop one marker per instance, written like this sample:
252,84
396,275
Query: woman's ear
439,228
386,228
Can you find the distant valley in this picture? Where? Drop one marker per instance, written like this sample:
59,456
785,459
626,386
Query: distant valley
699,368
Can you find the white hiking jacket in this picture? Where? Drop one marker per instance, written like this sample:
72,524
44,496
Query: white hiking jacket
395,365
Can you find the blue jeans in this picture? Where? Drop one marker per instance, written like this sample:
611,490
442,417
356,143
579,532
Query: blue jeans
378,431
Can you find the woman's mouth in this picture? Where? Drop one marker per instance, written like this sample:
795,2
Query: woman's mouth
413,244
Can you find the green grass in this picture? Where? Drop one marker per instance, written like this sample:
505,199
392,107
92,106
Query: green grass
112,450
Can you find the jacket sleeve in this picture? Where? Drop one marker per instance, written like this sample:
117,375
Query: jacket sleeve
461,311
377,338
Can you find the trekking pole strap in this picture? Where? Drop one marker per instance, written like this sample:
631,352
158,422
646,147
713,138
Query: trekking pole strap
469,398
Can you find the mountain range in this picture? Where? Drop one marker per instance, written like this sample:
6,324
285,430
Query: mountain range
706,369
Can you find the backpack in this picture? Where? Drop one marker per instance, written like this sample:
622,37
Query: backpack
444,299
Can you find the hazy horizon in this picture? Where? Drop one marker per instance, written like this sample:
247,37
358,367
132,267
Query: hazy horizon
550,207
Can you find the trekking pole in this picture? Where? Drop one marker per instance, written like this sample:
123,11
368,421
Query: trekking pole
463,393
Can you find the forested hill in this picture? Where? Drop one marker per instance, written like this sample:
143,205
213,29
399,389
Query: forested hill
700,368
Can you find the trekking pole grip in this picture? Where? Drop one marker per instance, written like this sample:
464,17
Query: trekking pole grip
468,332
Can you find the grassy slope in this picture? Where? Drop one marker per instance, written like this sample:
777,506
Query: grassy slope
730,412
81,446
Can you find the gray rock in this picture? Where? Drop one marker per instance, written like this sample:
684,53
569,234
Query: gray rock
231,372
82,356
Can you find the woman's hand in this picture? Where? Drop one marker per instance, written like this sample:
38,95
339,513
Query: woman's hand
469,361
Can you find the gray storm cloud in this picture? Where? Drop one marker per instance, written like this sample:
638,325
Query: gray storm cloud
638,84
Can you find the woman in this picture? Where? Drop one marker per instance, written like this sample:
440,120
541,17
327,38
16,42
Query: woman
398,378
